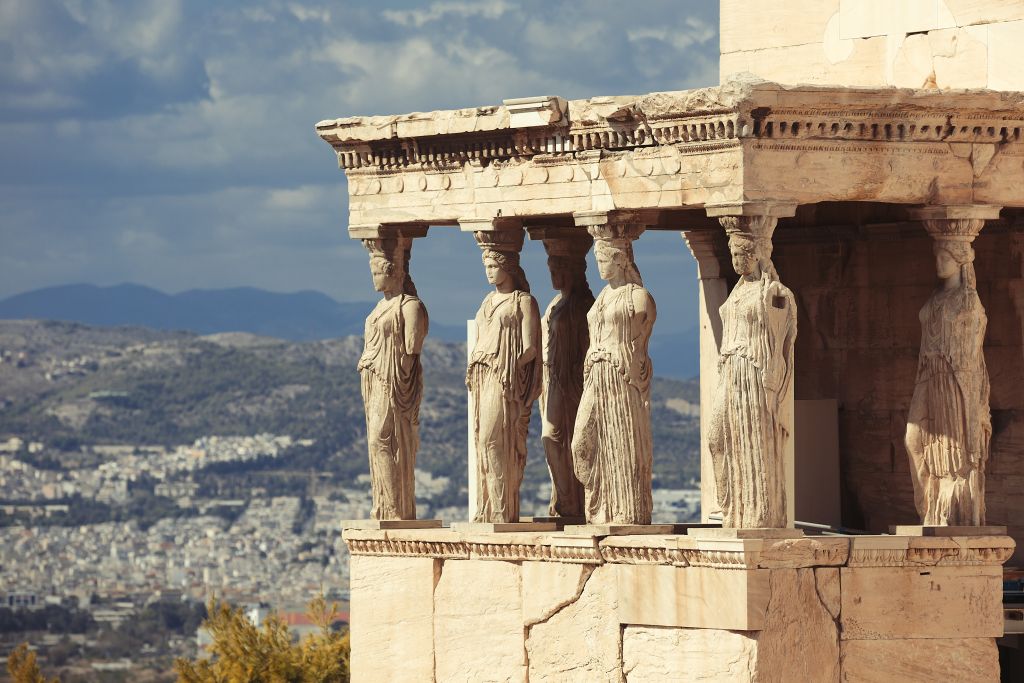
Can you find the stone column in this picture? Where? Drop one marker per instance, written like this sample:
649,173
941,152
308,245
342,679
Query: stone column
564,342
612,447
503,373
750,426
949,424
392,377
712,254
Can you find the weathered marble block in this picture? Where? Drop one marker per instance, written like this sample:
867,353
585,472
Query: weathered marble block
447,606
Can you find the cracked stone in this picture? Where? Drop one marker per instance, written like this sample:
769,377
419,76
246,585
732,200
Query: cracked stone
580,641
550,586
800,639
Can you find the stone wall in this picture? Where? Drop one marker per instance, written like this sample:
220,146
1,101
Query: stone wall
437,605
909,43
859,291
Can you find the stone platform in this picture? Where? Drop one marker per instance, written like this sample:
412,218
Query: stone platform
440,605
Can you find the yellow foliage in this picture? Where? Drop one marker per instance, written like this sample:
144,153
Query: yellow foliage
22,665
243,652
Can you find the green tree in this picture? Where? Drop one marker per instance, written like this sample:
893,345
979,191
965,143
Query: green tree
243,651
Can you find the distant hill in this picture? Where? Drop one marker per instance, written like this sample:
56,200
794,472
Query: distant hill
70,385
299,316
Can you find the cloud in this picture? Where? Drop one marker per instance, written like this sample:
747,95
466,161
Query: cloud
304,198
95,59
305,13
490,9
171,143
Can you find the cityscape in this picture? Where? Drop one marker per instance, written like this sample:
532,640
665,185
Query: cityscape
111,549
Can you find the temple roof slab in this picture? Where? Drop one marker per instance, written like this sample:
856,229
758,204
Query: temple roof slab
746,143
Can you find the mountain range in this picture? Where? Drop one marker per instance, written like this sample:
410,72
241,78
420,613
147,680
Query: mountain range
298,316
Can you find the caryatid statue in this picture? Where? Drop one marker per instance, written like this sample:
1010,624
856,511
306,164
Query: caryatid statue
504,377
392,379
748,426
565,341
612,447
949,425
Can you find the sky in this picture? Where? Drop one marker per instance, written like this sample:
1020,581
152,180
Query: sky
170,143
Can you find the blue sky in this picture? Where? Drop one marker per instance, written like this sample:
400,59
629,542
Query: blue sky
170,143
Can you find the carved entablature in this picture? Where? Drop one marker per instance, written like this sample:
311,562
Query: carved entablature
938,125
684,551
743,141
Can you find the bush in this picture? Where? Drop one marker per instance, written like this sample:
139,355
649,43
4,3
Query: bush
24,668
245,652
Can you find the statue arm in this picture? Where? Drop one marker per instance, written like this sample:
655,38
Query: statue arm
530,329
416,325
645,308
545,330
645,313
788,343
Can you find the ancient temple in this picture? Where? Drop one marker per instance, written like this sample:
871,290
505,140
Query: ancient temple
853,193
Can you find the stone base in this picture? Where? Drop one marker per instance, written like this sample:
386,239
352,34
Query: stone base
724,532
618,529
559,521
918,530
438,605
502,527
377,524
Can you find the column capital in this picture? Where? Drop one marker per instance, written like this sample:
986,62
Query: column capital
954,212
616,224
562,241
711,252
496,224
556,232
773,209
757,227
391,248
378,231
508,240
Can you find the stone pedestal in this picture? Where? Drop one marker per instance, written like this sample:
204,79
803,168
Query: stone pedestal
922,530
377,524
757,532
502,527
440,605
618,529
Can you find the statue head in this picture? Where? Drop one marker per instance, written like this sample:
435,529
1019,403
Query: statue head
567,261
615,261
955,256
503,267
389,259
745,260
567,272
750,245
383,272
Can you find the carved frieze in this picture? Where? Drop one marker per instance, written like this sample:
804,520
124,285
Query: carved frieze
736,142
681,551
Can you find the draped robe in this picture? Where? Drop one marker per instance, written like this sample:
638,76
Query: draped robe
612,446
503,396
748,430
950,408
392,386
564,331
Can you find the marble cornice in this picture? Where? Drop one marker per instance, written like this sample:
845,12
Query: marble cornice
696,121
743,142
683,551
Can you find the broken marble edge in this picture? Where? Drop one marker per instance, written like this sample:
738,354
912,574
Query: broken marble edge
741,91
